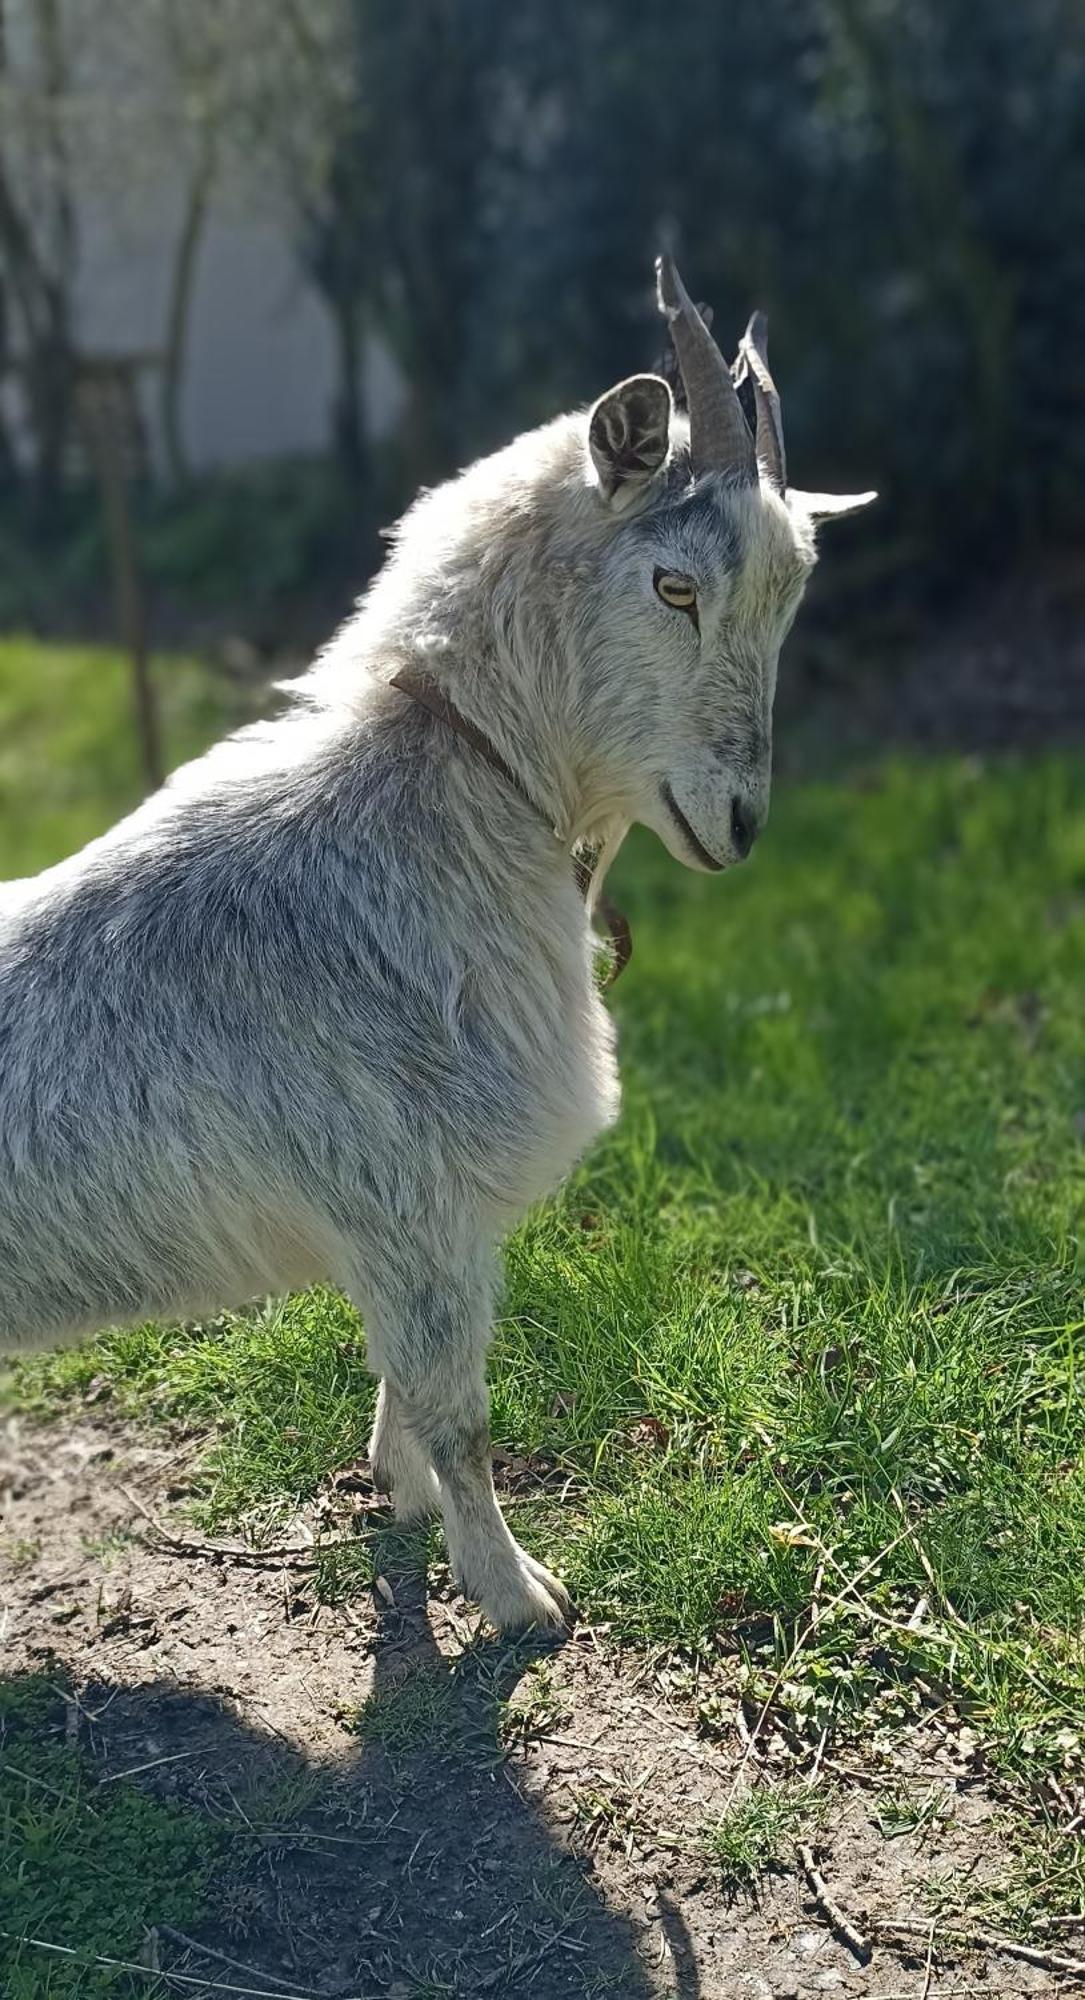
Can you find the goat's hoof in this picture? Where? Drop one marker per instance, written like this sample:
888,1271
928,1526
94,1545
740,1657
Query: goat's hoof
553,1586
530,1597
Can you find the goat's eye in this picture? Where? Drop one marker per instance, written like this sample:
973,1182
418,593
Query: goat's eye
680,592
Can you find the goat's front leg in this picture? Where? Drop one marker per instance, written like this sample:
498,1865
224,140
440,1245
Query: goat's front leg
398,1463
429,1338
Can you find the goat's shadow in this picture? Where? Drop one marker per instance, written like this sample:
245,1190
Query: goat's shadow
415,1864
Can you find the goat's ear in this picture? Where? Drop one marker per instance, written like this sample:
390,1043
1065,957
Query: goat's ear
827,506
628,433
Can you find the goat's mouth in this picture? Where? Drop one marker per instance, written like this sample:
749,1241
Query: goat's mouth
706,859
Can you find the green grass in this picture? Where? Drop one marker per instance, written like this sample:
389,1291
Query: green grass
759,1832
68,760
416,1713
816,1308
86,1867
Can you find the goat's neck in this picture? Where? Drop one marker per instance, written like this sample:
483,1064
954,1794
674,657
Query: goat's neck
521,716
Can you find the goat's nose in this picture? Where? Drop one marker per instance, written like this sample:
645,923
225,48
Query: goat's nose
743,826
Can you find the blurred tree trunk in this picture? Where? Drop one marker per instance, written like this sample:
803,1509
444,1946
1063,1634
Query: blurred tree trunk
56,363
179,309
42,308
9,467
98,407
348,414
39,259
428,76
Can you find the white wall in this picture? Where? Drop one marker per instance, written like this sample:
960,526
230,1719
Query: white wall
260,363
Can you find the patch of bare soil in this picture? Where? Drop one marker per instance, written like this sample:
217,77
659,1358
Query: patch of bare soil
516,1820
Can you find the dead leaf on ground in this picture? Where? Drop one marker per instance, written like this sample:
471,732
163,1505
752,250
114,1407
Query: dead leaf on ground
649,1432
791,1535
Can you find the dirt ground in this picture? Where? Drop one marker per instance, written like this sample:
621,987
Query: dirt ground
530,1825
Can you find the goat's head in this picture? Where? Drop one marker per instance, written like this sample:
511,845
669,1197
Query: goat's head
693,589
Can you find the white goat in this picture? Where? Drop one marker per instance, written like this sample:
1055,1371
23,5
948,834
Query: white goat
325,1006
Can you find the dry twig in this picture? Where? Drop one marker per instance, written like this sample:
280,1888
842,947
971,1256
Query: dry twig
28,1778
130,1770
1047,1961
928,1969
302,1555
837,1918
848,1588
235,1964
939,1590
178,1978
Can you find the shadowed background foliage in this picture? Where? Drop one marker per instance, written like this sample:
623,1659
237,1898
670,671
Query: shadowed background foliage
899,182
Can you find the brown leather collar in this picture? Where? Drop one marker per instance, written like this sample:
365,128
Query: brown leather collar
613,924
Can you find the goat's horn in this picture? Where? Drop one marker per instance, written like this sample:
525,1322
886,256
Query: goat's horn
753,358
719,436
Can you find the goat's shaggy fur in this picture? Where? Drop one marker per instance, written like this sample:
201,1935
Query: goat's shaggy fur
324,1006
